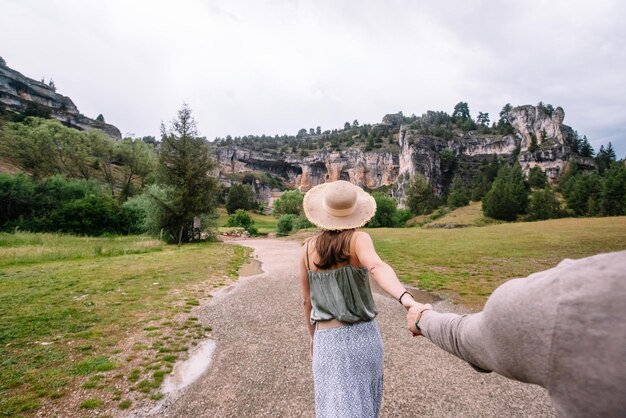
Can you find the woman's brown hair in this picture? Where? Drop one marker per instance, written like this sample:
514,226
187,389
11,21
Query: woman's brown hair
333,248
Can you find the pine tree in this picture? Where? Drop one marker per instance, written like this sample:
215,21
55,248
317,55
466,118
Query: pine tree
508,196
184,170
420,195
459,195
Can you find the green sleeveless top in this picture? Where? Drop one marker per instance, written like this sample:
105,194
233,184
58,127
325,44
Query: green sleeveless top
343,293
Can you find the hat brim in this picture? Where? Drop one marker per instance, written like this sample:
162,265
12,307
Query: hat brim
314,210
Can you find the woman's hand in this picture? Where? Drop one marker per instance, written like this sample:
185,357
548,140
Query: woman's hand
408,302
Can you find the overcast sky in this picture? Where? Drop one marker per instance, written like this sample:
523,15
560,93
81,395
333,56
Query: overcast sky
273,67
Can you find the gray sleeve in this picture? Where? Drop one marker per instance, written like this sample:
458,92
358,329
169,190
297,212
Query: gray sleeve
513,334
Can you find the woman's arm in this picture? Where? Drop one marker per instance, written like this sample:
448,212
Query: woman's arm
379,270
306,291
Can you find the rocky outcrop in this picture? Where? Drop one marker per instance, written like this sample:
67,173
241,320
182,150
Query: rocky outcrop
420,154
19,93
367,169
543,124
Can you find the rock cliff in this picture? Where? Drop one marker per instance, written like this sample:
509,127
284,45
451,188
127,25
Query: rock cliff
420,154
19,93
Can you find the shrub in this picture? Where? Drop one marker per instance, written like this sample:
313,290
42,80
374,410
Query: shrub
242,219
300,222
402,216
63,205
285,224
385,212
289,202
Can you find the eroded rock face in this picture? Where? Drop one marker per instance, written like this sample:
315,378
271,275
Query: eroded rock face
18,91
366,169
419,155
534,120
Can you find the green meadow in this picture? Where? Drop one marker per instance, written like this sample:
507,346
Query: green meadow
99,314
265,224
465,265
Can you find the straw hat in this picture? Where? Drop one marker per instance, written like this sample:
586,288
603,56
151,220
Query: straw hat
338,205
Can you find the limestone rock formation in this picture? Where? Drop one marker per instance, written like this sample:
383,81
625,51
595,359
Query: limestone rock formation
419,154
18,93
536,120
366,169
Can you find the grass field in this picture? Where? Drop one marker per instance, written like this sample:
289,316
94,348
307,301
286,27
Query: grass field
467,264
264,223
82,319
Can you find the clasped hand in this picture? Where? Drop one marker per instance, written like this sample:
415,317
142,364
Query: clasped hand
414,313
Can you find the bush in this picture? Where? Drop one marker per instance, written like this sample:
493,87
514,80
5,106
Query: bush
242,219
543,204
285,224
402,216
301,222
386,208
57,204
289,202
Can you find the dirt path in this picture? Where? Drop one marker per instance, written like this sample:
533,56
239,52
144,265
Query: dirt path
261,366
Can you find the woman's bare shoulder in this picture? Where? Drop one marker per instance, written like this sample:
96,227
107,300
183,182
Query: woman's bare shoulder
361,235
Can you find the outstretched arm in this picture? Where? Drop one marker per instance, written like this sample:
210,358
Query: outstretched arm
306,291
379,270
512,336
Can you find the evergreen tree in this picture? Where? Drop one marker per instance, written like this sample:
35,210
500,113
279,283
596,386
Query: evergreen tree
508,196
480,187
532,147
461,111
613,197
459,195
583,194
240,196
543,204
584,147
483,119
420,195
504,126
537,179
100,118
184,171
605,158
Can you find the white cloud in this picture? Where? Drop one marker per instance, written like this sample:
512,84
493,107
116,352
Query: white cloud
276,66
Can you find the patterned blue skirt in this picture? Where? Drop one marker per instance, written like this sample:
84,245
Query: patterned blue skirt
348,371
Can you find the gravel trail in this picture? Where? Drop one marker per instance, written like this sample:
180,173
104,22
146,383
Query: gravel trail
261,366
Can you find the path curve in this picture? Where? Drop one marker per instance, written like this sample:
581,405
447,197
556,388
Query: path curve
261,366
